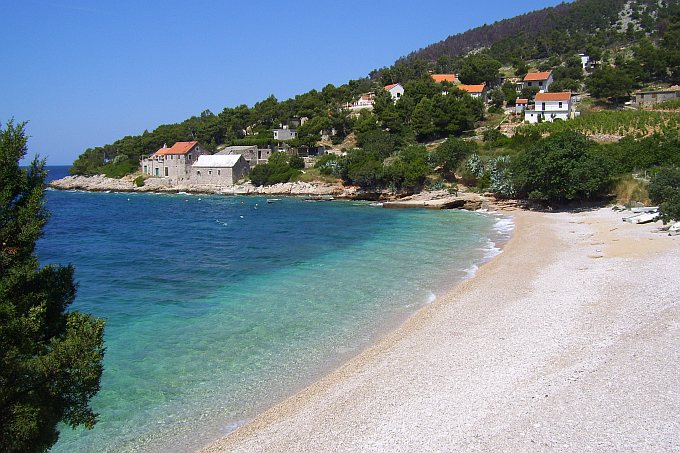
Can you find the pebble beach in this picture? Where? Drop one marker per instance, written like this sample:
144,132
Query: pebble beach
567,341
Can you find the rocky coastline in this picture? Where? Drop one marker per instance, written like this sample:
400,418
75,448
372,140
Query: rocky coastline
439,199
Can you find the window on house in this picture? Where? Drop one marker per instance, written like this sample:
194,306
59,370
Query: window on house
540,84
218,172
166,171
560,105
542,105
210,172
198,172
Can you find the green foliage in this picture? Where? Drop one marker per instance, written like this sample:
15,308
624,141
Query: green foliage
509,92
560,169
529,93
673,104
328,164
619,122
479,68
664,190
448,156
51,358
296,162
139,181
609,83
276,170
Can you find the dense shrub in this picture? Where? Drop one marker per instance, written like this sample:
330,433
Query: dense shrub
560,169
450,154
275,171
664,190
139,181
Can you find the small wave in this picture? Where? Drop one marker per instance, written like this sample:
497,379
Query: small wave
431,297
471,271
491,250
504,225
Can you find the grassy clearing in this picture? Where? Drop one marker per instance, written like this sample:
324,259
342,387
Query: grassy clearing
314,175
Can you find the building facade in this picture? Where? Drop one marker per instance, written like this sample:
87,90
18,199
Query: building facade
541,80
395,90
284,133
174,162
219,170
550,107
649,98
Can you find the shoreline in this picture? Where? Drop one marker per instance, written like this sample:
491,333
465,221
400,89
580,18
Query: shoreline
439,199
419,386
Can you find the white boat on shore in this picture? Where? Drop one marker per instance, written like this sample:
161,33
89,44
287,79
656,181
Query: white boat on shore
645,217
273,200
644,209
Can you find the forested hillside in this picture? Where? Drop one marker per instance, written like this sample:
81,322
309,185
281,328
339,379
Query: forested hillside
637,43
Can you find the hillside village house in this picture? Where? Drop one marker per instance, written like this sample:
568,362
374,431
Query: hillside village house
395,90
550,107
439,78
284,133
219,169
643,99
521,105
476,91
365,102
252,154
542,80
174,162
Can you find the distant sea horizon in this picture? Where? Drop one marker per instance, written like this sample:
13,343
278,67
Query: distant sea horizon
218,306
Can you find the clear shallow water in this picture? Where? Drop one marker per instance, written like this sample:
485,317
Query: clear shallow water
217,306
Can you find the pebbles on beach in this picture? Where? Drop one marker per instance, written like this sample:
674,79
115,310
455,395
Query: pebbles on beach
546,348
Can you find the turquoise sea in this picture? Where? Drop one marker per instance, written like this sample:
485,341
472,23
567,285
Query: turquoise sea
218,307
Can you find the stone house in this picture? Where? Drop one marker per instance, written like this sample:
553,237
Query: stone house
252,154
219,169
174,162
284,133
550,107
542,80
643,99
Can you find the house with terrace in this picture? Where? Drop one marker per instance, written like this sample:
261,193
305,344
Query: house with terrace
174,162
550,107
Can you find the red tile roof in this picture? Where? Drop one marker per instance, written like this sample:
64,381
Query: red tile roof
177,148
536,76
389,87
444,78
472,88
564,96
521,101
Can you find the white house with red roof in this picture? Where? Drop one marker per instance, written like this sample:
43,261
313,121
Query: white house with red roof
521,105
542,80
395,90
476,91
550,107
365,102
174,162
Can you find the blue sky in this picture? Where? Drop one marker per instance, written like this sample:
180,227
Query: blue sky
86,73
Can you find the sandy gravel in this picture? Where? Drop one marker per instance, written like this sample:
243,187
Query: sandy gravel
568,341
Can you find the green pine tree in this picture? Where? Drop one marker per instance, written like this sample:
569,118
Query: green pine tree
50,359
